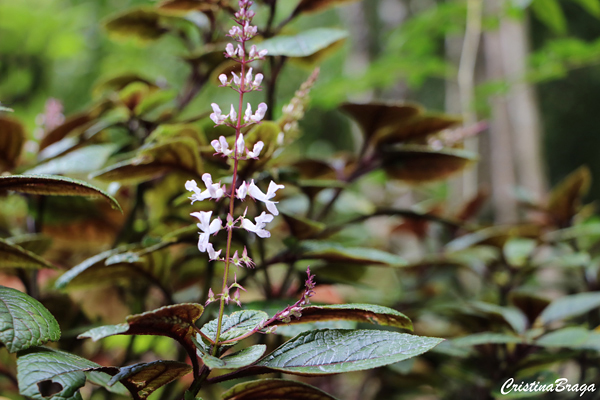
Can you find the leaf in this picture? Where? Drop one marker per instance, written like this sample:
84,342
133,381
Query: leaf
240,359
303,228
235,325
275,389
570,306
145,378
12,139
72,123
24,321
84,160
186,6
332,351
119,265
566,197
5,109
366,313
156,160
14,256
482,338
513,316
591,6
321,250
518,250
551,14
575,337
303,44
48,185
531,304
176,321
496,236
418,163
47,374
34,242
317,5
144,24
379,119
416,127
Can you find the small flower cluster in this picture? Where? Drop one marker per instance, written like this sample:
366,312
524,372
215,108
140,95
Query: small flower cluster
208,227
231,119
222,147
295,109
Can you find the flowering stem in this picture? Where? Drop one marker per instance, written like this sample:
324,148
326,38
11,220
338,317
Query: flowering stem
238,129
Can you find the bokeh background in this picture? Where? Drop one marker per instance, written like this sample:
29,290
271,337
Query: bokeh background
533,75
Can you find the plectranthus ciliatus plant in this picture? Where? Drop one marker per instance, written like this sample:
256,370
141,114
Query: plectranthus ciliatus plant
47,373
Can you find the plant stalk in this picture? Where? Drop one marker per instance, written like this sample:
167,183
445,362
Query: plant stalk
238,130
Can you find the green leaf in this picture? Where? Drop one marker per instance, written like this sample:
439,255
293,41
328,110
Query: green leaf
477,339
34,242
48,185
84,160
356,255
14,256
12,139
303,44
496,236
235,325
551,14
145,378
47,374
275,389
366,313
576,337
591,6
317,5
142,23
24,321
155,160
418,163
303,228
511,315
570,306
518,250
117,266
240,359
334,351
176,321
565,199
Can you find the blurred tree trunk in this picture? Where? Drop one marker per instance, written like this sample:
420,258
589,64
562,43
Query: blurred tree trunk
515,134
511,150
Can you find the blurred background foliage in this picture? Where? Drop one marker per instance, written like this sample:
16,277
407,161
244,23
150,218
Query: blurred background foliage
397,50
59,49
